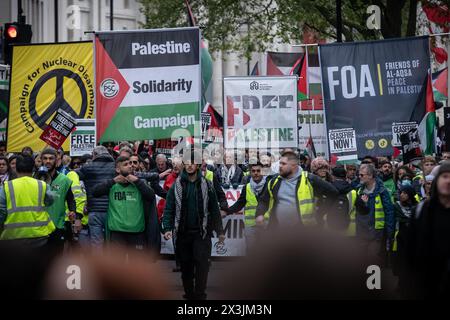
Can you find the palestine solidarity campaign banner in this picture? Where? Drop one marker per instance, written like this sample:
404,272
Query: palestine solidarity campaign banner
369,86
148,83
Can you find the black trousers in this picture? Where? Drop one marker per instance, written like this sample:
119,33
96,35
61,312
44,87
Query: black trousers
193,253
128,239
56,241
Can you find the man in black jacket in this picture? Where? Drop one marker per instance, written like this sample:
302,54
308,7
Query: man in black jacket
101,168
190,216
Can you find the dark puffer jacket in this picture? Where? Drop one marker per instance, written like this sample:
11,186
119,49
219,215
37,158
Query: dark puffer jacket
102,168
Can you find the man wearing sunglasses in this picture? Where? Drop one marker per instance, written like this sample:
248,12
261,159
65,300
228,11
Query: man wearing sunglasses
248,200
375,219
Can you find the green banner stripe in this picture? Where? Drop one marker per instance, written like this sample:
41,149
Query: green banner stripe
84,132
3,107
153,122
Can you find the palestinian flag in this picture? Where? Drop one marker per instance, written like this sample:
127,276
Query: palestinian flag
281,63
310,148
255,70
301,70
425,114
440,85
206,60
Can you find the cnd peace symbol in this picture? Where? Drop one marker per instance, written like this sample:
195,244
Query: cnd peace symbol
60,101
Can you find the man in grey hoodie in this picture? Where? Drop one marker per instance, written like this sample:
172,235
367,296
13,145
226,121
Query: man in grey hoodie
289,198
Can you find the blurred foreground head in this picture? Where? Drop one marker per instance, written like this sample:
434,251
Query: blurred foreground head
36,274
302,264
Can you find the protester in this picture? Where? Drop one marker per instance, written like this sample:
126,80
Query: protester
266,161
351,173
190,216
162,167
126,219
425,191
60,166
6,174
428,244
387,176
375,220
12,162
340,215
248,200
126,152
3,149
289,198
229,174
32,197
61,187
101,168
445,156
404,210
66,160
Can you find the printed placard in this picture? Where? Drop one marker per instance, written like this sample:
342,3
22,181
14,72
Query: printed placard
342,140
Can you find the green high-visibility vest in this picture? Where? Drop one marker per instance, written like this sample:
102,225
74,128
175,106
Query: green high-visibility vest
27,216
60,186
305,199
250,206
126,209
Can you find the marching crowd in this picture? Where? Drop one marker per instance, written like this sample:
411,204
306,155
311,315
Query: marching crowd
399,214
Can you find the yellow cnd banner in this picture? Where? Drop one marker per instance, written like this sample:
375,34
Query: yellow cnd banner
44,78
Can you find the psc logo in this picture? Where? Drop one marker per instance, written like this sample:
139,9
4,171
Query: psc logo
254,85
109,88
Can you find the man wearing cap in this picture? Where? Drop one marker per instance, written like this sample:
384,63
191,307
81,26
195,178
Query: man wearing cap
61,187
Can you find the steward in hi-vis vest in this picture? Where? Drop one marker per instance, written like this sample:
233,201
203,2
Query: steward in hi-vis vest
24,217
289,198
61,187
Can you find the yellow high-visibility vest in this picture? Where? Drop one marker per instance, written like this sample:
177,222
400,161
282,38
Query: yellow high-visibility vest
209,175
27,216
250,206
351,229
79,194
305,199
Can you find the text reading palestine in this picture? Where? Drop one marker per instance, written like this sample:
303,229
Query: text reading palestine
170,47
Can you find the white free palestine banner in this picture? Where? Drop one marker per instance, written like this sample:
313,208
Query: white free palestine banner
260,112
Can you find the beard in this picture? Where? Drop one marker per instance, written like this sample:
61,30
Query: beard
124,173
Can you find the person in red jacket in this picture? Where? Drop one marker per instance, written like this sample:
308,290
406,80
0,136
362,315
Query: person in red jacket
177,163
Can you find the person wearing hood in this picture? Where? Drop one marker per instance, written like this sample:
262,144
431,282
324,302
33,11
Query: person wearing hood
289,199
101,168
191,215
387,176
428,244
248,200
375,219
